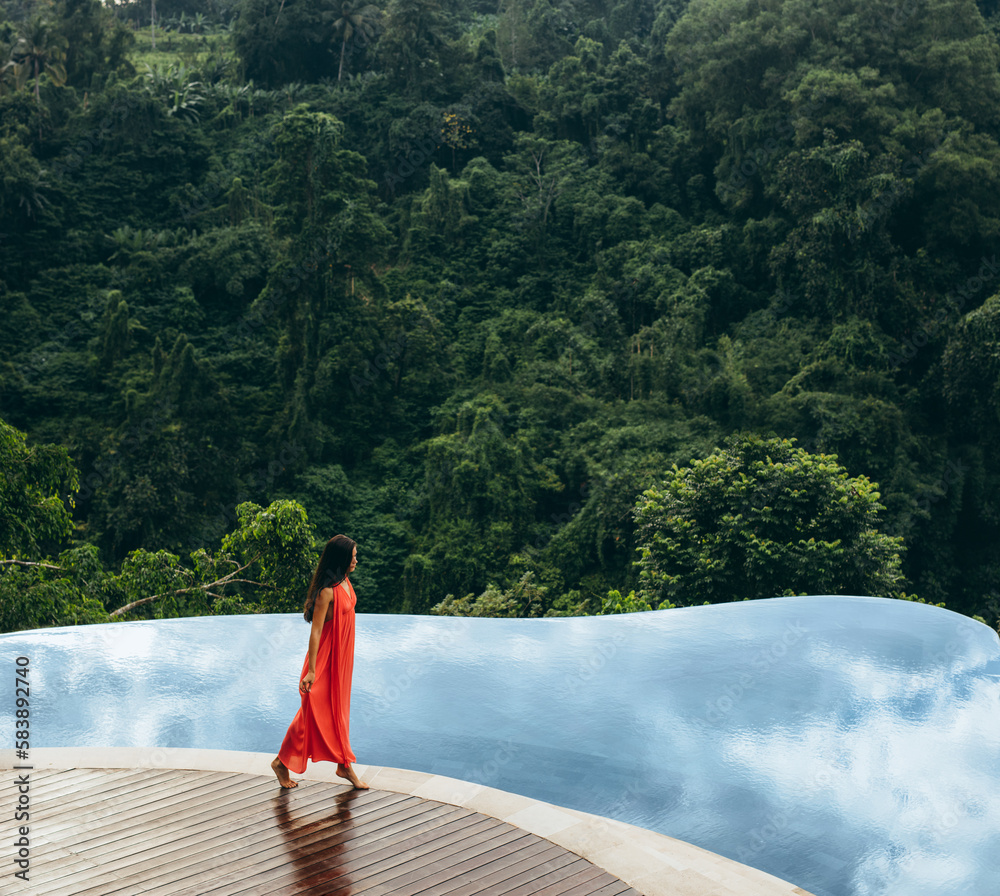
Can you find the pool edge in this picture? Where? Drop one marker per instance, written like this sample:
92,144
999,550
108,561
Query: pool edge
652,863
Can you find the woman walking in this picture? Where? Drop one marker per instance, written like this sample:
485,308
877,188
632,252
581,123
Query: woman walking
320,728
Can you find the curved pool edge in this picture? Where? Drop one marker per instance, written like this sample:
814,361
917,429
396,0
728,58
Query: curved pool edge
652,863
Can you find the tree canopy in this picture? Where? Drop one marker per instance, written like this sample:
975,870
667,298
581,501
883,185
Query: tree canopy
463,281
762,515
259,567
36,483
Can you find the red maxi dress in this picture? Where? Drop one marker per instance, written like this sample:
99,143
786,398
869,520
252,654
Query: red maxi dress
319,730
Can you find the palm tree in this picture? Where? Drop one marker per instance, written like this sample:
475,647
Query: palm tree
354,17
38,49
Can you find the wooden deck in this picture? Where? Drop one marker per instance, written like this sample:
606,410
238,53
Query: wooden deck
169,832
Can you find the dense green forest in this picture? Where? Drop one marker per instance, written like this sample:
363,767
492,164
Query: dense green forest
543,302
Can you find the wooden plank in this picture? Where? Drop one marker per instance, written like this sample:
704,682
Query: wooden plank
93,834
510,847
382,821
178,810
272,854
162,832
388,832
358,863
479,854
138,792
126,807
362,867
265,842
405,870
100,839
525,879
616,888
89,779
580,882
579,871
364,857
374,808
384,829
97,885
372,877
520,854
199,854
69,792
105,837
49,777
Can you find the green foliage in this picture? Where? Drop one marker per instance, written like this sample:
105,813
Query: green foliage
284,43
274,547
263,566
763,518
632,603
23,186
40,50
36,487
371,514
971,368
147,576
409,49
68,591
170,85
354,21
523,599
96,41
464,280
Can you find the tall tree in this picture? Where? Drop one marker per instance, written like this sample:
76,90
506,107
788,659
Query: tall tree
762,518
412,44
96,42
40,49
353,17
275,50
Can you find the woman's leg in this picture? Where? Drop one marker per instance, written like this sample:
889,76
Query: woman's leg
284,779
346,771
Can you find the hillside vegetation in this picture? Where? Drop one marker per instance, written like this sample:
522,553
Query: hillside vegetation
466,281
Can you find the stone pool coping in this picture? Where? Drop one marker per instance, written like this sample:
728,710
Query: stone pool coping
652,863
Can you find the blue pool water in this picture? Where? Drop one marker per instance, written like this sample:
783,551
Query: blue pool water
849,745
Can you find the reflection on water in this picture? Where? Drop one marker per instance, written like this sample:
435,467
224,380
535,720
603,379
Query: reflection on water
316,837
849,745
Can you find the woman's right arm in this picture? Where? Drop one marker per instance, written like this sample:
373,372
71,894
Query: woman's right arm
319,617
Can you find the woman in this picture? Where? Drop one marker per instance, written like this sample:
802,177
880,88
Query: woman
319,730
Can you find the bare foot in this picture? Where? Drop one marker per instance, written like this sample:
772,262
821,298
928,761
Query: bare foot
284,779
346,771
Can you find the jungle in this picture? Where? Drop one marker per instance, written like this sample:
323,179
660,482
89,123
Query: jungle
554,306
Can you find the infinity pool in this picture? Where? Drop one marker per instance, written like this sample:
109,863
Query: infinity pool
850,745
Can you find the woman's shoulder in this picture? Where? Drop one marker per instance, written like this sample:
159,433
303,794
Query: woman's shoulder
340,588
327,595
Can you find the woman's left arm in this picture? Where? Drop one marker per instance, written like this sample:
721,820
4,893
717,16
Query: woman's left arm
320,608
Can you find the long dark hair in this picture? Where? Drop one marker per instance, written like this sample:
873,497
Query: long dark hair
331,570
